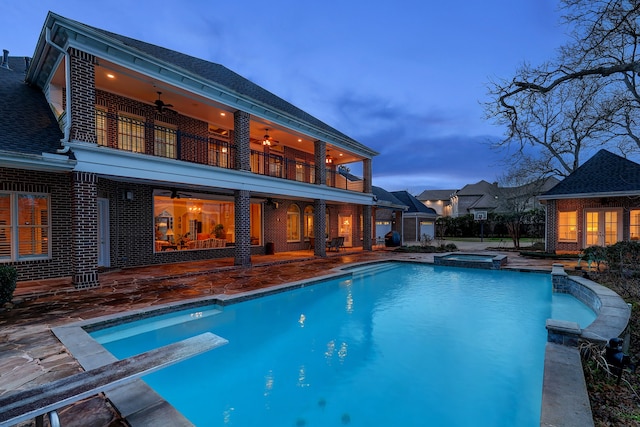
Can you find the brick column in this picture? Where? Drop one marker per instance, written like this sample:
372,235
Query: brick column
243,231
367,242
83,96
551,233
367,176
319,226
320,154
241,121
84,230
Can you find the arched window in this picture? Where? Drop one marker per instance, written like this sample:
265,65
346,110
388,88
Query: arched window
293,224
308,221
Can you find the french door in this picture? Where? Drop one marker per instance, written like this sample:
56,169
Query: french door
603,227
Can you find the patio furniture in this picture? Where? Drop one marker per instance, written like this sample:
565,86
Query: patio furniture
336,243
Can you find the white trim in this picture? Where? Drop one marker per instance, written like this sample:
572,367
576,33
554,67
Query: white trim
117,163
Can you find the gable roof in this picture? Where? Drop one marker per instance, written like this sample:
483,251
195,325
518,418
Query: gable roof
29,132
384,199
604,174
415,206
479,188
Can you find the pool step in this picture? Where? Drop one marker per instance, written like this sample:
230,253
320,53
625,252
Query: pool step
126,331
373,268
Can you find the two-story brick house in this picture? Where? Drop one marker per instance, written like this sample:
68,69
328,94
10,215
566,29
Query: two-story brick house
121,153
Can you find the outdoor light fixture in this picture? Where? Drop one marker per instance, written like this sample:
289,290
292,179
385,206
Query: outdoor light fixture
267,138
328,160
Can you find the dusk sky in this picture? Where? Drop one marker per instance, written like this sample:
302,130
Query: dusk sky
407,78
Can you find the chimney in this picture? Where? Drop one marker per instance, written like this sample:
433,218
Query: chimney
5,59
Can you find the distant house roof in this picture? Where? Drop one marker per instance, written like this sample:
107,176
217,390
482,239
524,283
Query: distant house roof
435,195
386,199
604,174
479,188
415,206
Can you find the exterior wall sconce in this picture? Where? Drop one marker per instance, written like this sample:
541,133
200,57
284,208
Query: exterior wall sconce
127,195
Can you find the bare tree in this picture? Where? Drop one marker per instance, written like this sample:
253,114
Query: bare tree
588,93
516,197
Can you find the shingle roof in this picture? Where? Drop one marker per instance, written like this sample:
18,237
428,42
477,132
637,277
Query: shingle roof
27,124
435,195
385,198
604,173
414,204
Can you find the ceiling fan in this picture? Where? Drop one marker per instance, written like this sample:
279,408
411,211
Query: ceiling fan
175,194
160,105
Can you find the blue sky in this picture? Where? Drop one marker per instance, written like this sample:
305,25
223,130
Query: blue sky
407,78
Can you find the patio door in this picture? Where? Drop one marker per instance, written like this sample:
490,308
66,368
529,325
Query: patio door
345,223
104,259
602,227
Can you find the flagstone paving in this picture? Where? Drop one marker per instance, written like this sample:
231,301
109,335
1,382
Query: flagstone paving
30,354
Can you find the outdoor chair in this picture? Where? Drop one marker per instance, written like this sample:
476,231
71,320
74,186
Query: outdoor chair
336,243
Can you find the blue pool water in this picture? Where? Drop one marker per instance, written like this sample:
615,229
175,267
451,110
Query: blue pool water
407,345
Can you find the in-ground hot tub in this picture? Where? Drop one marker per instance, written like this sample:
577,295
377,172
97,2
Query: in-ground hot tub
472,260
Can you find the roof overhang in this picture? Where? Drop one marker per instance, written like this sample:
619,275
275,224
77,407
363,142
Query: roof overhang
38,162
118,164
590,195
68,33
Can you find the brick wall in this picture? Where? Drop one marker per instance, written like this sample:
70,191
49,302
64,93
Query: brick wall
57,185
84,230
580,205
82,96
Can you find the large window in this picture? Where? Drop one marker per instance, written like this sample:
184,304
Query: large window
568,226
293,224
186,223
131,134
24,226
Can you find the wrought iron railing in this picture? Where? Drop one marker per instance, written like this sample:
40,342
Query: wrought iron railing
175,144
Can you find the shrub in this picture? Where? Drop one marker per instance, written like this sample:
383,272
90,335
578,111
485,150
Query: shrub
8,280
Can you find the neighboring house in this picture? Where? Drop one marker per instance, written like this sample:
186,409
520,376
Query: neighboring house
388,213
417,221
483,197
597,204
120,153
438,200
479,197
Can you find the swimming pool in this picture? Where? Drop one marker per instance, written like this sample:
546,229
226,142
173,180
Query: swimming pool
406,345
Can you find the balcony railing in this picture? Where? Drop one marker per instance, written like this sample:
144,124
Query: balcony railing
137,136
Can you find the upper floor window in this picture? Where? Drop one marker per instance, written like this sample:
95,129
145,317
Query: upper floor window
101,127
165,141
293,223
24,226
219,153
568,226
130,134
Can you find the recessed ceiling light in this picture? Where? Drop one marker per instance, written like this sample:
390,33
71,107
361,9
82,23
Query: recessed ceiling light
299,139
111,76
223,114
